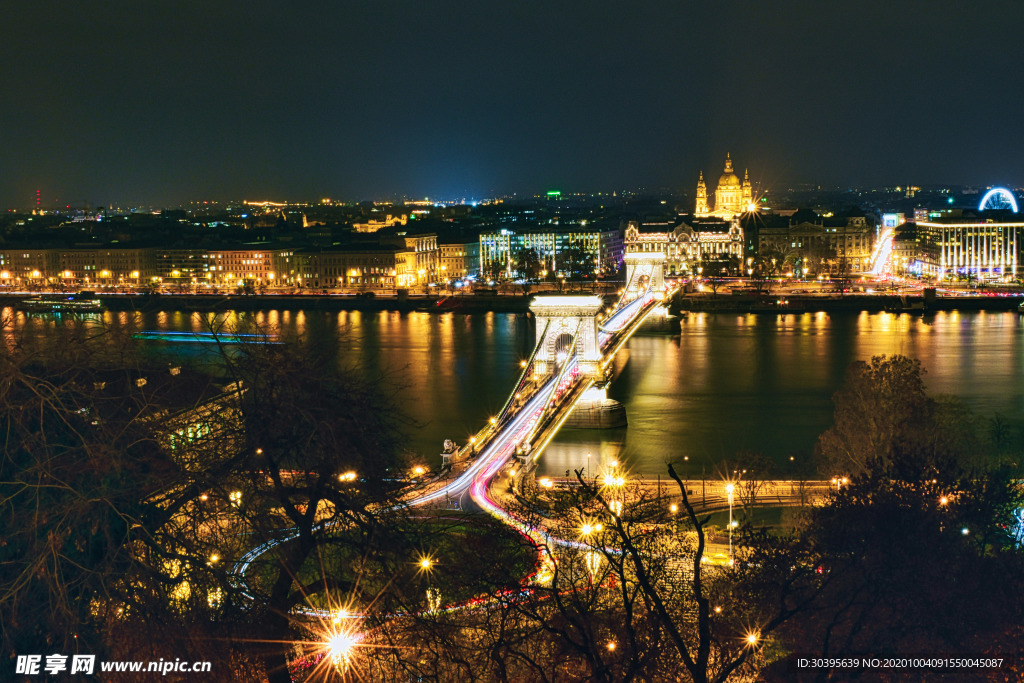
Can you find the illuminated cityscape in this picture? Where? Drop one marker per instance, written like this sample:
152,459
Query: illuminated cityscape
397,342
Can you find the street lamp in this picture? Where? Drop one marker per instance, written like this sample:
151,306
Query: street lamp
339,649
729,488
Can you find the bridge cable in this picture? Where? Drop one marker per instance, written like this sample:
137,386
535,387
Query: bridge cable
527,371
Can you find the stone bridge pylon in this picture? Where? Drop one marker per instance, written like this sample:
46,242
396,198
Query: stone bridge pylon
643,269
564,321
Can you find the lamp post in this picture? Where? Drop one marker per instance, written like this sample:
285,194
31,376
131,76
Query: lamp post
426,564
729,488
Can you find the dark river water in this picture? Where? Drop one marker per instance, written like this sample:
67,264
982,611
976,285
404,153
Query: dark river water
727,383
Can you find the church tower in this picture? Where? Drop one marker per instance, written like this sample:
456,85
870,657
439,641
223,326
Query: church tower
748,194
701,210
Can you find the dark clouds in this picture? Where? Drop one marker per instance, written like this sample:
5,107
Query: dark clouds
127,102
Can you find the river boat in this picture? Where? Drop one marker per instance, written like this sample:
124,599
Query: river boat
83,302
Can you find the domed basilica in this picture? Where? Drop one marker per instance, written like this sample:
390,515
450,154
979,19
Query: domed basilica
731,196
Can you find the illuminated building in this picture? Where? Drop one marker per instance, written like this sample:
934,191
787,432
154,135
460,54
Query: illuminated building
732,197
182,266
286,267
685,246
500,249
26,267
373,225
985,249
232,267
459,258
104,267
417,261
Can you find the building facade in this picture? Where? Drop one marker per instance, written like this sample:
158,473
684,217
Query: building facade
686,246
459,259
829,247
361,269
986,250
183,267
234,267
27,268
501,249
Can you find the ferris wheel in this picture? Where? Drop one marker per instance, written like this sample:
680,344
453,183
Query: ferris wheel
998,199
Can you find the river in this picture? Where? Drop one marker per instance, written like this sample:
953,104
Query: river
725,384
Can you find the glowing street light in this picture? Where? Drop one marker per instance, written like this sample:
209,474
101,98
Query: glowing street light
729,488
339,648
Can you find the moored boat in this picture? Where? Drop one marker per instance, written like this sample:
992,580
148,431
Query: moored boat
83,302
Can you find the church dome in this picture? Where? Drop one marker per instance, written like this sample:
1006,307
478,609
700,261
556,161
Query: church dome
728,178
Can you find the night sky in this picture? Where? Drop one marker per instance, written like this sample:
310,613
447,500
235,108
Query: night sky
130,102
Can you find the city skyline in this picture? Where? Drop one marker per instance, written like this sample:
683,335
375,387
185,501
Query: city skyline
965,195
160,106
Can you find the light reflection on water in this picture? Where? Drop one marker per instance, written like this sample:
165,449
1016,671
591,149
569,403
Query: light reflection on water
727,383
732,383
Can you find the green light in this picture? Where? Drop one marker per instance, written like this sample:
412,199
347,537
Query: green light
554,193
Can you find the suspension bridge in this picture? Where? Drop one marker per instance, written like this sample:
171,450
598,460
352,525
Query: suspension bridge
577,339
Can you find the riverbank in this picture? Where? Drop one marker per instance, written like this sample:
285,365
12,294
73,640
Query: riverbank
306,302
836,303
520,303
